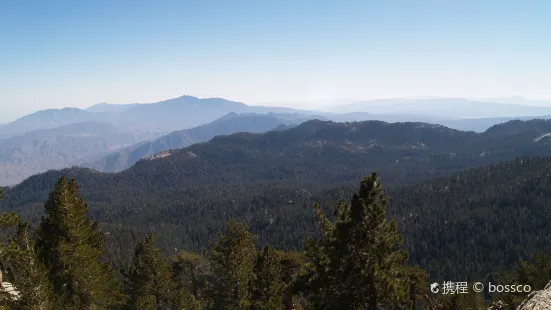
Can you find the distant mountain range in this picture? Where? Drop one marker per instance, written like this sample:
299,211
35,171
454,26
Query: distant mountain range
109,148
179,113
228,124
187,120
53,139
41,150
519,100
110,108
443,108
187,112
45,119
163,117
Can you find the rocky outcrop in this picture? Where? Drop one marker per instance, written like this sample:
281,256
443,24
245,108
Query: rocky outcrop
538,300
8,288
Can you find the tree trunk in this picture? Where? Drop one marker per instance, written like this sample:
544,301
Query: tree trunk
372,300
288,300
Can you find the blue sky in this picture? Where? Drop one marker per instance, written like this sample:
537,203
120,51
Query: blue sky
77,53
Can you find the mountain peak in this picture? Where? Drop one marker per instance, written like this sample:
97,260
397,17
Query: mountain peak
187,97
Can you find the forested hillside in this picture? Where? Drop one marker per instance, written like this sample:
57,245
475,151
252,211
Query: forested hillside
60,265
477,221
354,261
271,180
228,124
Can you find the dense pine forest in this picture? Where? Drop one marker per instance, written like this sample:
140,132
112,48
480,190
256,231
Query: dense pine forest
357,262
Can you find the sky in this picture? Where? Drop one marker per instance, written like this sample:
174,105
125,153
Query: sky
56,54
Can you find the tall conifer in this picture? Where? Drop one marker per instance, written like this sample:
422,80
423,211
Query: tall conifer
71,247
232,261
151,283
27,274
267,286
358,262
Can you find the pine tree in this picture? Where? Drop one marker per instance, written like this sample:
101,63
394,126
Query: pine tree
28,276
535,272
71,247
267,286
190,269
418,284
470,300
151,283
232,261
357,263
291,265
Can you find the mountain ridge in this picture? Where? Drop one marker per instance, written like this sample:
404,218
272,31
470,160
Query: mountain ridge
441,108
41,150
186,112
359,140
169,115
270,181
45,119
227,124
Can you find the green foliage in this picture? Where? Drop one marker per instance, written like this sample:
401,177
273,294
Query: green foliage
417,282
357,263
292,263
149,277
27,274
71,247
455,227
472,225
470,300
232,262
150,280
535,272
267,286
190,271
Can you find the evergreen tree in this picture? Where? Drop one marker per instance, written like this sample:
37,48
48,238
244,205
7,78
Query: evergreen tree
357,263
291,264
190,269
470,300
232,261
535,272
27,274
267,286
417,282
150,280
71,247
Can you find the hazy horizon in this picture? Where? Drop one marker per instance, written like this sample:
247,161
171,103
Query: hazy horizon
286,53
327,105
